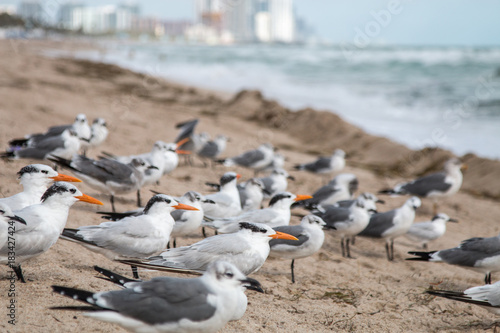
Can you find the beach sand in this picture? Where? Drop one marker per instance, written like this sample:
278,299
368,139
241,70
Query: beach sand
366,294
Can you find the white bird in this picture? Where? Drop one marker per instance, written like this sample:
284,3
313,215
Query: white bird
392,224
251,194
213,148
370,200
310,237
247,249
8,226
256,159
425,232
35,179
108,175
437,185
478,253
342,187
98,132
44,224
322,165
277,214
347,221
134,236
63,145
487,296
166,304
276,182
227,200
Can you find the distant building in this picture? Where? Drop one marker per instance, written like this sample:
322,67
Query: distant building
31,11
239,19
8,9
282,21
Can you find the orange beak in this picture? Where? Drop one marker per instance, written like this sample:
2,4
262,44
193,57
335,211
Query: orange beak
183,141
89,199
282,235
238,176
185,207
65,178
182,152
301,197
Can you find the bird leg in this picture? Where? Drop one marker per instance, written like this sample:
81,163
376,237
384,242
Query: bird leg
139,198
424,246
112,200
342,246
168,245
348,249
19,273
204,232
487,278
175,242
353,240
134,272
434,208
392,249
291,266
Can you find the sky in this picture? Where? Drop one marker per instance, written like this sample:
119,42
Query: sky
412,22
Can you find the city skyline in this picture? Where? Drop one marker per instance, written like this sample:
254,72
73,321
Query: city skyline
448,22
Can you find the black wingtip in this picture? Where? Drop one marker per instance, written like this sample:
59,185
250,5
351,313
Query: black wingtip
387,191
421,256
77,294
113,277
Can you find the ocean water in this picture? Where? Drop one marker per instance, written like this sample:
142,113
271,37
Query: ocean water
419,96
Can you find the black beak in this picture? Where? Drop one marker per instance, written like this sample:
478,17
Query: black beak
153,167
380,201
266,191
17,218
453,220
252,284
209,201
372,211
291,177
329,227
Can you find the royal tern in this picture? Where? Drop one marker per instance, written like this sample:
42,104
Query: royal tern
35,179
392,224
310,237
247,249
478,253
227,200
277,214
166,304
8,225
425,232
131,237
44,224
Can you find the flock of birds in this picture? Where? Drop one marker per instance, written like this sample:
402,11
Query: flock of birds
246,233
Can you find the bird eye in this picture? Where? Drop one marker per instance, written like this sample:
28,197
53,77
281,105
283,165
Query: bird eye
73,190
167,201
2,211
229,274
45,171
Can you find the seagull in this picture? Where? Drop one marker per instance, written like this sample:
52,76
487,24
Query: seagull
437,185
425,232
44,224
478,253
310,237
256,159
392,224
322,165
8,225
348,221
339,188
487,296
278,162
107,175
227,200
167,304
63,145
188,141
277,214
35,179
276,182
369,199
80,127
98,132
213,148
247,249
131,237
251,194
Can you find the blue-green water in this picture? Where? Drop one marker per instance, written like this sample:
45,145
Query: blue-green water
419,96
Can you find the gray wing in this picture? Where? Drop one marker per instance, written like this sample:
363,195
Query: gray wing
52,131
294,230
322,194
268,184
344,203
42,148
187,129
210,149
334,214
471,251
103,170
248,158
178,215
318,165
378,224
243,195
423,186
162,300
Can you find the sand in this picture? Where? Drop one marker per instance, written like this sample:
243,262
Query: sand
366,294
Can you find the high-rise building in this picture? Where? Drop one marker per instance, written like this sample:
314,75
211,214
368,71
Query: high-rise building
31,10
239,19
282,21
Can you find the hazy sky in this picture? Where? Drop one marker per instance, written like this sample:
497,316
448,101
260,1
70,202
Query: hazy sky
420,22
